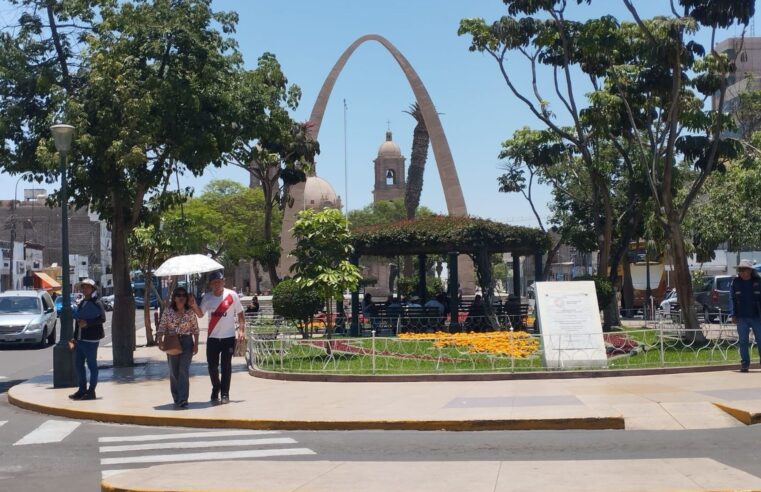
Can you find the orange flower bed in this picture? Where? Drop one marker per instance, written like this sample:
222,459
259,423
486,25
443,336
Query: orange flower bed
517,344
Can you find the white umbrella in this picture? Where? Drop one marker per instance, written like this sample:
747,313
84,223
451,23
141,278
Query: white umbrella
187,265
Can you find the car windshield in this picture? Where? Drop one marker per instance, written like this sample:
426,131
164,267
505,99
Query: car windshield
723,283
19,305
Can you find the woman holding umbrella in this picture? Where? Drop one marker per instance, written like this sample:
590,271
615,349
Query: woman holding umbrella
179,318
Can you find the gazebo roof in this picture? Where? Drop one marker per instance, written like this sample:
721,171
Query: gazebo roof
440,234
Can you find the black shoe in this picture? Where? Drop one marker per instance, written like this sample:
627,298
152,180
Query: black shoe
225,399
89,395
183,404
743,369
214,396
78,395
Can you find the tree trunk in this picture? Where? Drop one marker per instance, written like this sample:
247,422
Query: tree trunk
418,156
123,319
551,258
271,259
147,309
627,297
684,284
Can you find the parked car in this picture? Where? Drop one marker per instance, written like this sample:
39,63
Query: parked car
59,304
713,296
108,302
27,316
140,301
669,304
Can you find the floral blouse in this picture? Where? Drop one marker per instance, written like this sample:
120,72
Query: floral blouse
182,324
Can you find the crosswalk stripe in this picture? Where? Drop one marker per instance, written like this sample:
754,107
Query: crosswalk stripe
197,444
223,455
49,431
3,422
184,435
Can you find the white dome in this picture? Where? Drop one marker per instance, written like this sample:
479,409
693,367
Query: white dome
319,194
389,148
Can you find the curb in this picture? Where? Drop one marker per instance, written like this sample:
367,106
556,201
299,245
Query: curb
582,423
743,416
486,376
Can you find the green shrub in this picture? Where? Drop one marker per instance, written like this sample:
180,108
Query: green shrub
295,303
407,286
603,287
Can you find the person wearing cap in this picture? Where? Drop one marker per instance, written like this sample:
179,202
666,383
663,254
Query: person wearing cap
88,331
224,308
745,309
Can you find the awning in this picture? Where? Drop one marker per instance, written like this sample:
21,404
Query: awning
48,282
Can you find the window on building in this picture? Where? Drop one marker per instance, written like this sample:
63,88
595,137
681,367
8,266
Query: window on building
390,177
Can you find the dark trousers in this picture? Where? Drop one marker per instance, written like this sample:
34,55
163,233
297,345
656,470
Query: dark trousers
87,352
216,349
179,370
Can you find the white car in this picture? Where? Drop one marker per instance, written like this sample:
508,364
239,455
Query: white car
669,303
27,316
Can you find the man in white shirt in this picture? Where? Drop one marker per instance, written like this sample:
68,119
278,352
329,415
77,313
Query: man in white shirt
223,306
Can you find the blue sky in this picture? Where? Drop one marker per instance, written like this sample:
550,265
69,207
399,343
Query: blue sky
477,110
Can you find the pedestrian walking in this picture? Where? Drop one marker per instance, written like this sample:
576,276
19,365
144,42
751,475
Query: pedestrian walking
88,331
745,309
179,318
224,308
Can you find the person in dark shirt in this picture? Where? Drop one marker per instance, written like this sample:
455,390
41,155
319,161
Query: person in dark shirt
745,309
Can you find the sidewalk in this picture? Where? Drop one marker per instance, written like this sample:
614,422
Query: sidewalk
140,395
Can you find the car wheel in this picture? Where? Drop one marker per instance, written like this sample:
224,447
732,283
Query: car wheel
44,340
707,315
51,337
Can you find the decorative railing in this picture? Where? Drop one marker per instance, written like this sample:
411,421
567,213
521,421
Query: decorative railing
415,348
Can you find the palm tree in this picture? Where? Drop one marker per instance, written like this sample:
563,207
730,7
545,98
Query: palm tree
420,141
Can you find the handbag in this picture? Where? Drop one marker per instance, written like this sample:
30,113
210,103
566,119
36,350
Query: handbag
170,344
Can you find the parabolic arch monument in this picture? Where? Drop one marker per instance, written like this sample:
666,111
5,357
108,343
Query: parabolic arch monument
443,156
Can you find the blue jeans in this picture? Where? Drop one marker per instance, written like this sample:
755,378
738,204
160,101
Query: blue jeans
744,325
179,370
87,352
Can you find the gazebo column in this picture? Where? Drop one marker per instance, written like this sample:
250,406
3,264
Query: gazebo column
516,275
421,271
538,267
354,329
454,324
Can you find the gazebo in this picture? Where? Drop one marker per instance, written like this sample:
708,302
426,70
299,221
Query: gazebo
451,236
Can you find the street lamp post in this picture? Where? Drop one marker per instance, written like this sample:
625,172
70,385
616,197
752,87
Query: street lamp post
63,360
648,289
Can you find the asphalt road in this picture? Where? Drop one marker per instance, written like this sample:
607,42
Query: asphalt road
43,453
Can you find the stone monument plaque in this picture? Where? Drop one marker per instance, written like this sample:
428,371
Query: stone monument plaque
569,319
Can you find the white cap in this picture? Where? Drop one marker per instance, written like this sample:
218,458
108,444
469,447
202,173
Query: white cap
745,264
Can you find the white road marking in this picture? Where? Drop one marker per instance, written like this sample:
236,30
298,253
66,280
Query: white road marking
225,455
3,422
197,444
184,435
49,431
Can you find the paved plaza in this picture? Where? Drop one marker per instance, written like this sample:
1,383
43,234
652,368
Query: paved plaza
140,395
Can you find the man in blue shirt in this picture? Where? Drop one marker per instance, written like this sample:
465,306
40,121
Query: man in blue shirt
745,309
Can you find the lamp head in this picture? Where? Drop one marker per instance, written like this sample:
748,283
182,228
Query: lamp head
62,134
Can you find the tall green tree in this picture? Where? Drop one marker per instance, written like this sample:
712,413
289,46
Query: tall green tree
276,150
418,157
149,246
647,79
150,86
225,222
383,212
323,246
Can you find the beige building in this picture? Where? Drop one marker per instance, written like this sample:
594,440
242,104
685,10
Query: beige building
747,64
